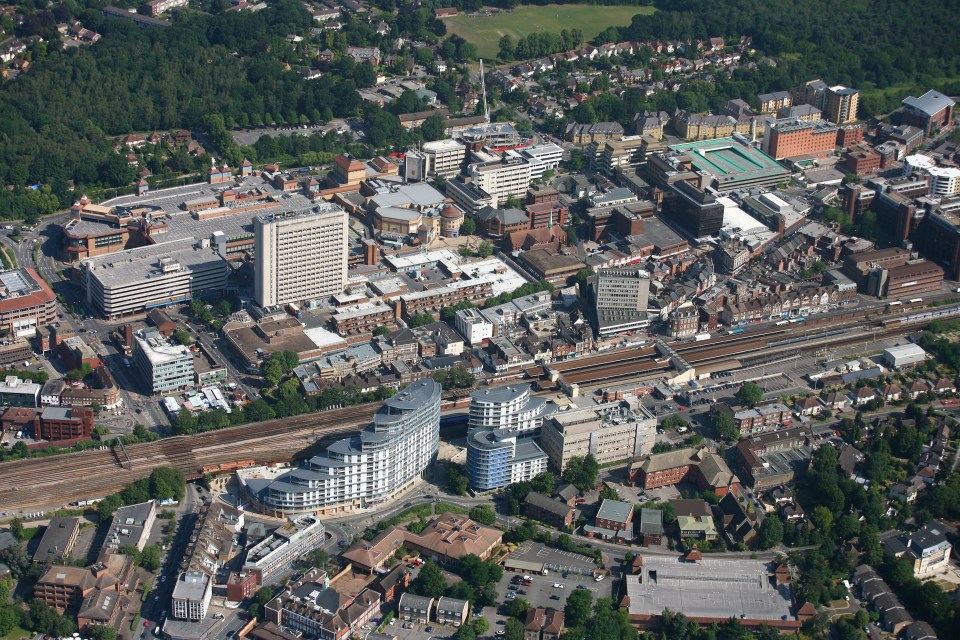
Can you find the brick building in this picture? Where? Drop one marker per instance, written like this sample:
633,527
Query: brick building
65,588
860,160
545,509
241,585
701,466
795,137
930,112
759,419
65,423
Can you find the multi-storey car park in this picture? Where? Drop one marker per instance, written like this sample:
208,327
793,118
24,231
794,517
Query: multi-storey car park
733,163
26,302
129,282
169,246
365,469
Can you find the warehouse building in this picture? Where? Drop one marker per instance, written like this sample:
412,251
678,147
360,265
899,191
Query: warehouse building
707,591
904,355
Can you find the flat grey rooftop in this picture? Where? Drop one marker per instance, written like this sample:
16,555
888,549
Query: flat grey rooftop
659,234
181,224
500,394
135,265
541,554
191,586
710,588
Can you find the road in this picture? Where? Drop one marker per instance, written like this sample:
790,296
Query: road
47,235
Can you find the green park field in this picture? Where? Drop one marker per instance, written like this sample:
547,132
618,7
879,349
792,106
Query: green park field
485,31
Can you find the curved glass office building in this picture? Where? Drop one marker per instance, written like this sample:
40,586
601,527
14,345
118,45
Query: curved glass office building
367,468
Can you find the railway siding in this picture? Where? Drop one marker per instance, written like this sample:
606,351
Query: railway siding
26,484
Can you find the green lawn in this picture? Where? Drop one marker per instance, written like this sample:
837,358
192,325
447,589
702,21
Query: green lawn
485,31
16,633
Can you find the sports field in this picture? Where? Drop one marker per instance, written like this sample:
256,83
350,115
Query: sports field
485,31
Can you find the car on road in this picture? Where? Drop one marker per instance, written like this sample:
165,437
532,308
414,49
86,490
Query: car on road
554,597
557,585
600,578
582,587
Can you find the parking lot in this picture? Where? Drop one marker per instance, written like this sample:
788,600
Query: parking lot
554,559
541,591
416,631
574,571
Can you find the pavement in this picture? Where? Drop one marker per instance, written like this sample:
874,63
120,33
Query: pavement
249,136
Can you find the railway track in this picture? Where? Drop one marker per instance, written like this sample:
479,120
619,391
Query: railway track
41,482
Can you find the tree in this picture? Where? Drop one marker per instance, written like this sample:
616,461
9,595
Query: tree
108,505
582,276
457,481
429,582
465,632
42,618
506,49
103,632
382,330
16,528
420,320
823,518
432,128
150,557
513,630
9,616
483,514
15,556
577,609
477,572
609,493
20,450
258,411
771,532
224,308
516,608
183,337
485,250
724,425
750,393
582,472
468,227
167,482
